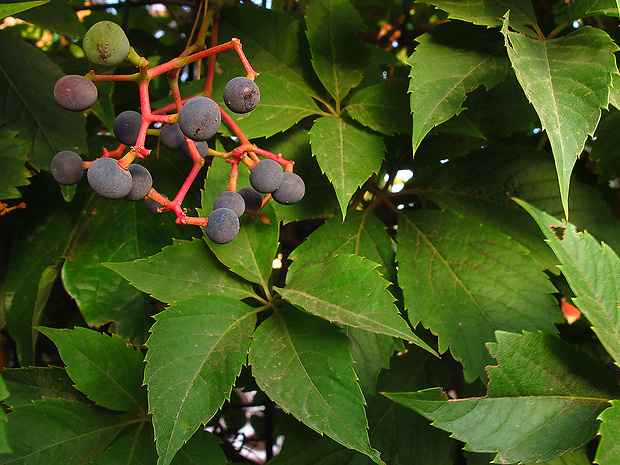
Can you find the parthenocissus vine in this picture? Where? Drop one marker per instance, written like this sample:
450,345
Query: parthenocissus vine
186,124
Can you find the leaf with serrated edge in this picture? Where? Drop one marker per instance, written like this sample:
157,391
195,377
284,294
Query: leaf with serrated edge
608,452
347,153
27,79
361,234
103,367
196,351
13,155
567,96
451,61
579,9
593,273
349,290
459,278
181,270
45,430
303,364
338,56
534,410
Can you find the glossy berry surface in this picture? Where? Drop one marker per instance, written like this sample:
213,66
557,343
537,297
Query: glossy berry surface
75,93
266,176
109,180
291,190
252,198
127,126
241,95
231,200
223,226
67,167
141,183
200,118
105,44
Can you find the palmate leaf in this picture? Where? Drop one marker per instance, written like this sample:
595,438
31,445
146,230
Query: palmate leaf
361,233
348,289
104,368
182,270
608,452
303,364
593,273
45,430
13,154
451,61
196,350
490,12
338,56
567,96
347,153
459,278
27,78
543,400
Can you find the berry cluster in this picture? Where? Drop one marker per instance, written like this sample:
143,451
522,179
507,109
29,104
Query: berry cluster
186,124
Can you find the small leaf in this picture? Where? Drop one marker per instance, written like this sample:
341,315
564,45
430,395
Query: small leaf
567,97
459,278
104,368
451,61
187,374
303,364
382,107
347,153
13,156
338,56
180,271
43,431
608,452
349,290
593,273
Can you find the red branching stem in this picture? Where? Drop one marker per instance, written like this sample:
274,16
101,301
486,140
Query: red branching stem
234,127
246,64
234,175
112,77
178,200
179,62
273,156
197,220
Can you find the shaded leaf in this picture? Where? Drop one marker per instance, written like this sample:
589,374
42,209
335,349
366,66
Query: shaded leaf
13,156
5,447
579,9
608,451
349,290
303,364
451,61
45,430
136,447
181,270
528,415
593,273
204,448
382,107
9,9
460,278
196,350
338,56
57,16
347,153
567,97
36,383
104,368
27,79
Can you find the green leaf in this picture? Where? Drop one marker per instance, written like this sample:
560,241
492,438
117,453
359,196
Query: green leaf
187,375
303,364
43,431
491,12
362,233
458,274
182,270
39,383
542,401
579,9
13,156
282,104
104,368
27,79
593,273
10,9
136,447
451,61
5,447
347,153
338,56
605,150
348,289
608,452
382,107
204,448
567,97
57,16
